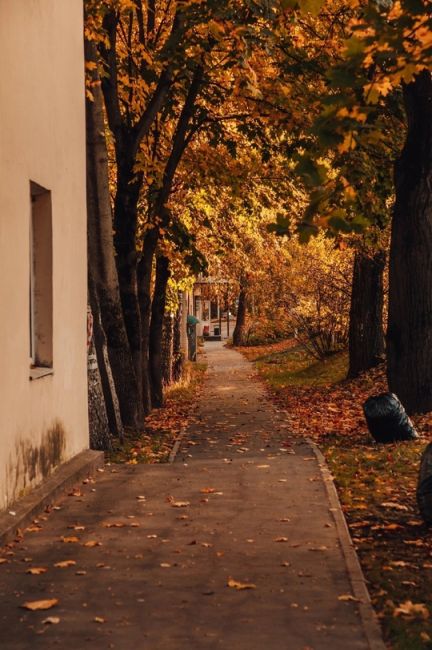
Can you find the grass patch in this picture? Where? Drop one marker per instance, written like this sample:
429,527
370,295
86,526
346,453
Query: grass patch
289,364
376,483
154,442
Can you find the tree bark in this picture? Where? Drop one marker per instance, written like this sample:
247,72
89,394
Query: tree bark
129,185
409,336
155,339
145,267
240,326
102,265
100,437
366,332
167,348
179,338
111,403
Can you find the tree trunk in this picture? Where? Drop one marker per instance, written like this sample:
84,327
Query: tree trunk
409,336
240,327
103,373
155,340
102,265
179,337
145,268
167,348
100,437
366,332
125,224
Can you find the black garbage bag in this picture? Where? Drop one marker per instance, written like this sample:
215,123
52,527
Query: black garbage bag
387,420
424,485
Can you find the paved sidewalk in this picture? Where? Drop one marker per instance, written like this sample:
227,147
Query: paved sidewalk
155,547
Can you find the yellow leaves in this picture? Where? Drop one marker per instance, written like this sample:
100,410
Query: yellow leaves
347,144
377,88
411,610
354,113
216,29
37,570
280,539
312,7
98,619
92,543
70,540
35,605
240,586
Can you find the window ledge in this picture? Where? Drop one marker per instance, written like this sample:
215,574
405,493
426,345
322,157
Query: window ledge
38,373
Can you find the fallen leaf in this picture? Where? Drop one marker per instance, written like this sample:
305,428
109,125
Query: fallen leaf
280,539
180,504
207,490
412,610
51,620
99,619
91,543
34,605
3,560
234,584
165,565
64,564
115,524
262,466
348,598
36,570
70,540
394,505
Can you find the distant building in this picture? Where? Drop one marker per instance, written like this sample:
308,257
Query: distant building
213,309
43,283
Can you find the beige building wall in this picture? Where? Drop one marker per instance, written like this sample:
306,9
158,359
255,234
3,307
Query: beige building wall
42,139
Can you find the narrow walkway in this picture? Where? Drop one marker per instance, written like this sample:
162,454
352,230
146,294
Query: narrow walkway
151,551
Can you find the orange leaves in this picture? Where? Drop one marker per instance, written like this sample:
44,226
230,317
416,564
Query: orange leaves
240,586
35,605
64,564
36,571
411,610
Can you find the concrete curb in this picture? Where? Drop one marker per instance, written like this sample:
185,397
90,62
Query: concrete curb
26,509
368,617
176,446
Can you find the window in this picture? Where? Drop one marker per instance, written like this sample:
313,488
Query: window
41,281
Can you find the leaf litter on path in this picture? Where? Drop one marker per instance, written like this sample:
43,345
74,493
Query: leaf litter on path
35,605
